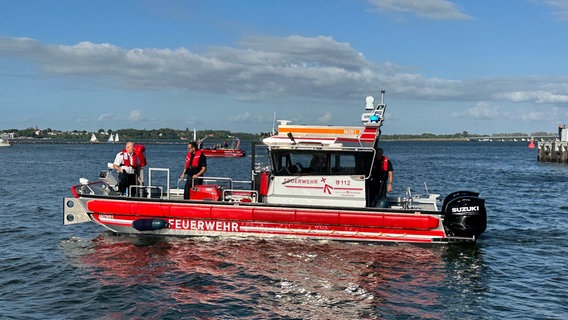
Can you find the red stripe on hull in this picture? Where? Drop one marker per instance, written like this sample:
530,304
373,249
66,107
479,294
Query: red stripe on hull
263,214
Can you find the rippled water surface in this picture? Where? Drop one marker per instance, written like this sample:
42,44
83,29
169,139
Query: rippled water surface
517,270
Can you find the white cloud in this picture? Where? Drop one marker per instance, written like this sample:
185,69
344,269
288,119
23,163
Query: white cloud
325,118
291,65
106,117
267,70
134,115
560,8
536,96
482,110
247,117
532,116
431,9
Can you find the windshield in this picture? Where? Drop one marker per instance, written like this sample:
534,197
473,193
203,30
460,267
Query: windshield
306,162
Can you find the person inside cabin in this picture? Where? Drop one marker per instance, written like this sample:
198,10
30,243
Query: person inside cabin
380,182
128,165
318,163
195,167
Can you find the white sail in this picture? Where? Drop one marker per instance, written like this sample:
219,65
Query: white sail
116,137
110,138
94,138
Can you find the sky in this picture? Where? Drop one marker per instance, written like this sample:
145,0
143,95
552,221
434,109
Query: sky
484,67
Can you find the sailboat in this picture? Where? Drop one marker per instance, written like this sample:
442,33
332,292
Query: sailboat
116,138
93,138
110,138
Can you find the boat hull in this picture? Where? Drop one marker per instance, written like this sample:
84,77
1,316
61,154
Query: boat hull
198,219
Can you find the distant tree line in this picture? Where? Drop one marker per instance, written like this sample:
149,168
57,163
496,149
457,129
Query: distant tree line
171,135
163,134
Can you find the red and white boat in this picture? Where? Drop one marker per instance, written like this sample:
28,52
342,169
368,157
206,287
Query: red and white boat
285,198
222,150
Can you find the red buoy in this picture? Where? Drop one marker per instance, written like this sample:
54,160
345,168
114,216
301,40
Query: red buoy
531,144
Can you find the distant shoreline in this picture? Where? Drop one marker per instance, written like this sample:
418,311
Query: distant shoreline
47,141
176,142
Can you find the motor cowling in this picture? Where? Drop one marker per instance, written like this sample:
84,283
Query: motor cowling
465,214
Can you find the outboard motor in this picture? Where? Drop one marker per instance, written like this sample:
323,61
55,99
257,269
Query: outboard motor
464,214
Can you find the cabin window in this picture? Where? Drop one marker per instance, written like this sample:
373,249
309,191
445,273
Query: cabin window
315,162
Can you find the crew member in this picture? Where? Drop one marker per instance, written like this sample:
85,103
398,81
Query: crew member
195,167
127,164
380,182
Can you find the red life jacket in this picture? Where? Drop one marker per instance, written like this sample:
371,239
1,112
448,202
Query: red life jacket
139,151
385,167
131,161
195,162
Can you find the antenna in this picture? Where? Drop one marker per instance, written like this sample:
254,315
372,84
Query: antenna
273,123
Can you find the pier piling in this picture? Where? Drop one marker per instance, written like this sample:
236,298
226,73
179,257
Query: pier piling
556,150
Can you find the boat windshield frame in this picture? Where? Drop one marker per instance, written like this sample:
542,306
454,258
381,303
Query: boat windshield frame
329,162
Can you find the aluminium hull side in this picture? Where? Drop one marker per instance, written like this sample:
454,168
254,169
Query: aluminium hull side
195,218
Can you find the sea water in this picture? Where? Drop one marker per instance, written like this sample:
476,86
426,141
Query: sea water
517,270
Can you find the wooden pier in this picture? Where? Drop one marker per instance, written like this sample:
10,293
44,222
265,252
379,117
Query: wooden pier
556,150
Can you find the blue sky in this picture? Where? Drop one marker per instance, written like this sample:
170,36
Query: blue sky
447,66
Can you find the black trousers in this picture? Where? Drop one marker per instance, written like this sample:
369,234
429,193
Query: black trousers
125,180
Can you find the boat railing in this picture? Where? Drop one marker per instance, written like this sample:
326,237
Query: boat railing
232,190
141,191
152,171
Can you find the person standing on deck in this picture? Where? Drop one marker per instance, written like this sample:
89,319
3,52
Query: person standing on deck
127,164
380,182
195,167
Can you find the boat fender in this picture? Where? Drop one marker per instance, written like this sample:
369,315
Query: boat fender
263,184
149,224
465,216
